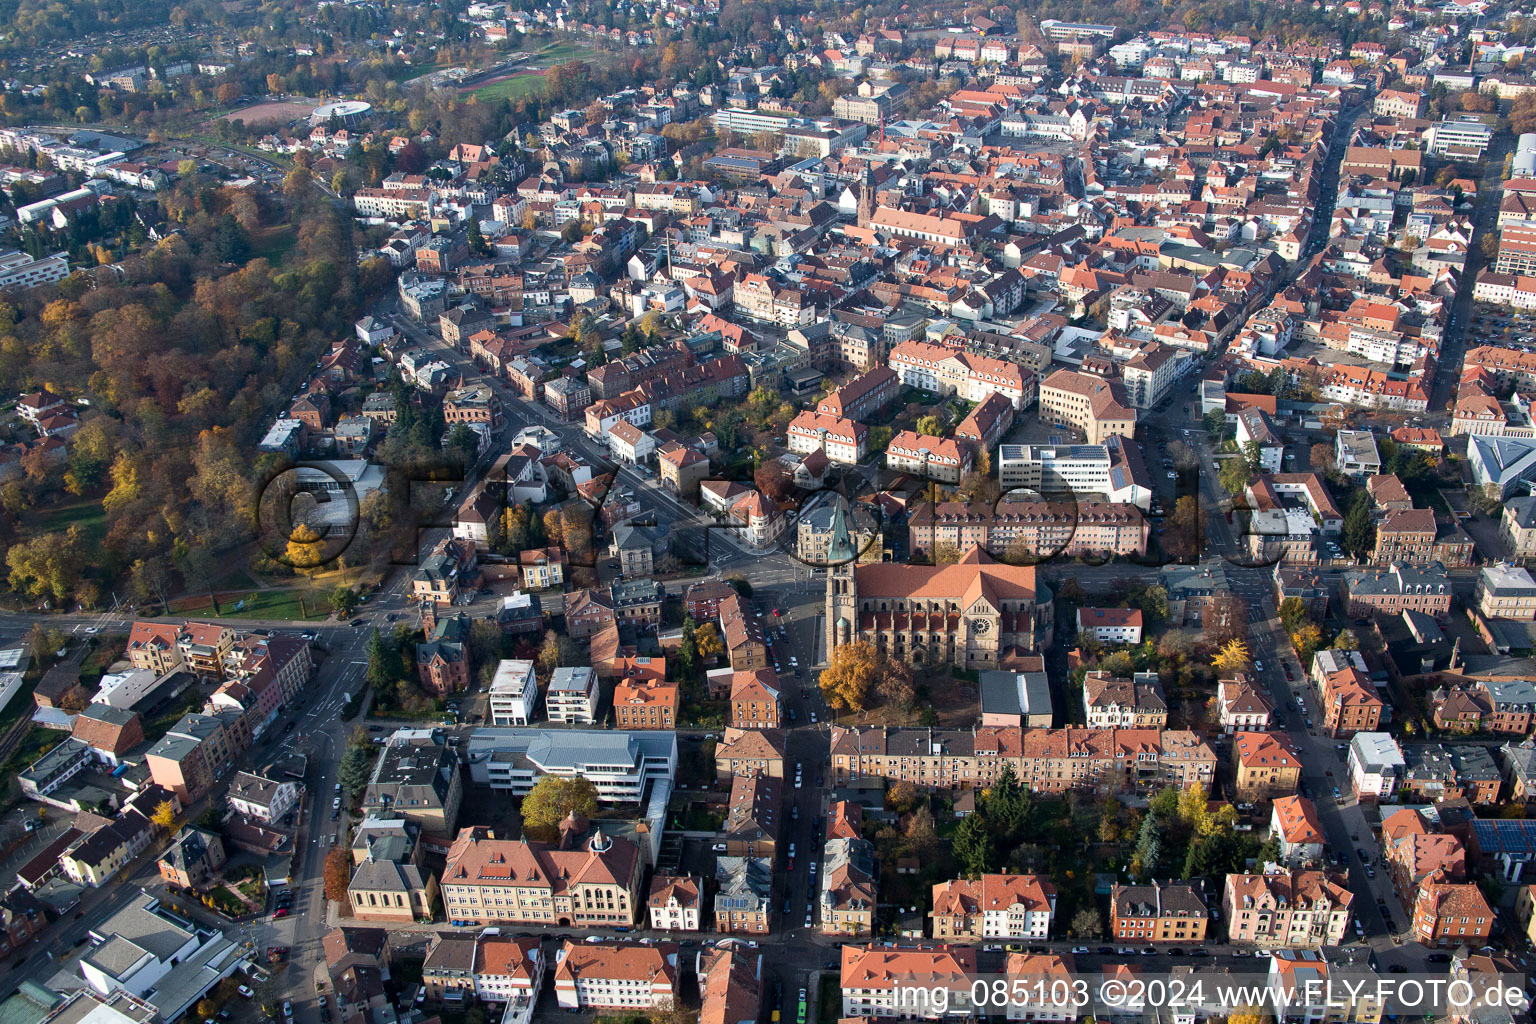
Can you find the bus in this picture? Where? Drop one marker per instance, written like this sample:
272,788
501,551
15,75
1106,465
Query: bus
800,1014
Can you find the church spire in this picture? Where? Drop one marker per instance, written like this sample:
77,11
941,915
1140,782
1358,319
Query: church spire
840,550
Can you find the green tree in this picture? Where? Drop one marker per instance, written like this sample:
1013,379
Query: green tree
385,664
1233,475
975,851
1293,612
1346,641
1359,532
356,768
551,800
343,601
929,425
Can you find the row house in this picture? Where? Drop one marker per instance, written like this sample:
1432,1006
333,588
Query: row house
1044,760
1038,528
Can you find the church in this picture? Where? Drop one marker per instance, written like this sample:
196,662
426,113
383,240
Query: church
976,614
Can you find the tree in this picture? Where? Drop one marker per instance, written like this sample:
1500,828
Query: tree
1321,458
1233,475
1185,535
343,601
894,684
1233,657
338,874
920,836
356,768
975,850
849,676
945,553
306,548
1306,639
902,796
48,566
150,577
164,817
1293,613
1086,923
477,243
45,641
1359,532
929,425
1345,641
709,642
1226,618
552,800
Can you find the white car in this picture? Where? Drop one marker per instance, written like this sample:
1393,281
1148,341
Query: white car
1172,475
797,782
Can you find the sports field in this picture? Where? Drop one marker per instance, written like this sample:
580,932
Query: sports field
511,87
278,111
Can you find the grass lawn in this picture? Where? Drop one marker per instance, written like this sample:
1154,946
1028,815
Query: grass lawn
37,742
511,88
268,604
273,242
562,52
830,1009
88,515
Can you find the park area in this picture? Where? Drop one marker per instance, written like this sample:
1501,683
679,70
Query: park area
274,112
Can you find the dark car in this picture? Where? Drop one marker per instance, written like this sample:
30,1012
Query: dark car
1439,958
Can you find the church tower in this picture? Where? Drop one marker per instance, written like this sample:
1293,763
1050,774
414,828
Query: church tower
867,198
842,583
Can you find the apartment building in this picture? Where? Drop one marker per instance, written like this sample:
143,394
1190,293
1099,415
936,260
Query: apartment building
1517,527
1452,914
940,459
572,696
1115,703
1110,625
514,693
416,778
743,895
1043,760
876,979
1038,529
1267,765
1159,912
674,902
645,704
843,440
755,699
1095,406
849,884
993,906
620,977
1294,822
1505,591
1398,588
1294,909
864,396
